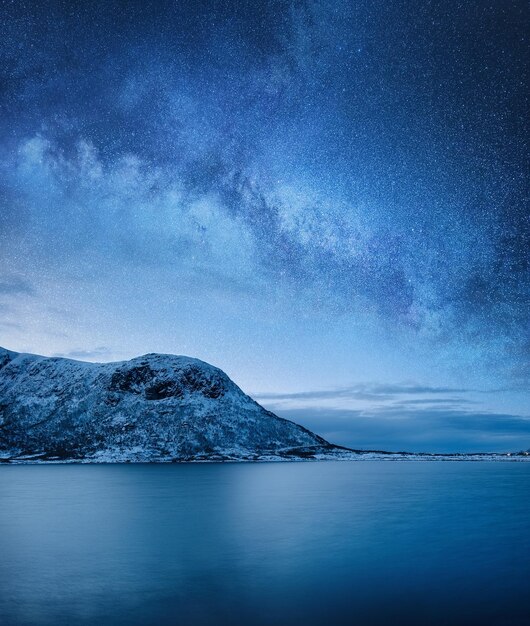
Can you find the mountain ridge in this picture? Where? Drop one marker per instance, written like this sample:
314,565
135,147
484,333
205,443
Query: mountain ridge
155,407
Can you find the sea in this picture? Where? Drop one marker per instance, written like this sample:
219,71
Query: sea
301,543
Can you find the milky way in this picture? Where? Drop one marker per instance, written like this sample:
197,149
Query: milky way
308,194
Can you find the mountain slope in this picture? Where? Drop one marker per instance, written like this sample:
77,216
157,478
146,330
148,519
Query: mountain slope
152,408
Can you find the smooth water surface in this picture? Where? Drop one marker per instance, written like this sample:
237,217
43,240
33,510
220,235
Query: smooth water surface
277,543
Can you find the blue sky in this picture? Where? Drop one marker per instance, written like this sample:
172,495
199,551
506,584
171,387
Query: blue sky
314,196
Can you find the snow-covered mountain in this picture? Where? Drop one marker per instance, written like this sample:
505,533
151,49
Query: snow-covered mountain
155,407
158,408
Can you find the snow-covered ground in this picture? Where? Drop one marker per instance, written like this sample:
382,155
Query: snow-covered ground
125,456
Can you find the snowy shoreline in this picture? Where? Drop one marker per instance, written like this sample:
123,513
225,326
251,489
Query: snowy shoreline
117,459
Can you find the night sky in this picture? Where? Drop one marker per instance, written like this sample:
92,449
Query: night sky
328,200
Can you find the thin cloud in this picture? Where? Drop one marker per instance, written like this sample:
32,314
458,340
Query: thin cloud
361,392
86,355
409,402
442,429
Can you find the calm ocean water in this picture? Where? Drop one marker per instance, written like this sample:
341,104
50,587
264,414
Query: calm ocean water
278,543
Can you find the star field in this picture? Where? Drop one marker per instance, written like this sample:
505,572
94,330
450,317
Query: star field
310,195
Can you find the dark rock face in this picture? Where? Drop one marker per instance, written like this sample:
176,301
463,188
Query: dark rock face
5,357
131,380
157,385
152,408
